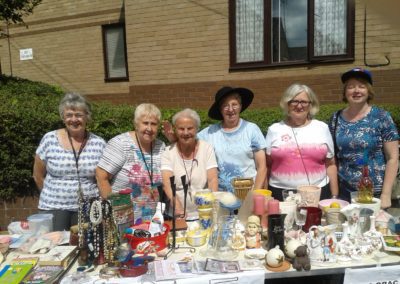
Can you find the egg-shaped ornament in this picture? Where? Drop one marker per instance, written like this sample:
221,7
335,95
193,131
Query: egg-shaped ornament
291,246
275,257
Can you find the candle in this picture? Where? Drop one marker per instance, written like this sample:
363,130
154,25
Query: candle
258,204
273,206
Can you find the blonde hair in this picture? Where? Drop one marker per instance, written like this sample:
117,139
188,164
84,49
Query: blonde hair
146,110
292,92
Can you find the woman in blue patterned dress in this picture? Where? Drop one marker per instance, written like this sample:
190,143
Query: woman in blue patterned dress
65,163
364,134
132,161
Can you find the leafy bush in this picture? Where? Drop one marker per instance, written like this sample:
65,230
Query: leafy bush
30,109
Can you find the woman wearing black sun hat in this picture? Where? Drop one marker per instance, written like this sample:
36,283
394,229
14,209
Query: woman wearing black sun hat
239,144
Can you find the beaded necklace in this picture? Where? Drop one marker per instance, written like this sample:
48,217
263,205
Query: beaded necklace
80,193
110,232
189,177
95,217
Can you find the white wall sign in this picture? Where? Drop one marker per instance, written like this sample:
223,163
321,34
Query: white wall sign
25,54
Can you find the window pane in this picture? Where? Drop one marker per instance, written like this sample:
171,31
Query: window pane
249,30
330,27
289,30
115,52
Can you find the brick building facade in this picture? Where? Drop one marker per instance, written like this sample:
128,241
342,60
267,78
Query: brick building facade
178,55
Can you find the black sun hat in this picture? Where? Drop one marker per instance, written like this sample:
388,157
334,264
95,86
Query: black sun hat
357,73
245,94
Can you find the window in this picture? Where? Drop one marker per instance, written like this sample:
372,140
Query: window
283,32
116,67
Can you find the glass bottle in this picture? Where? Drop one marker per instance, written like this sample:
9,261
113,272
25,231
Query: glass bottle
365,187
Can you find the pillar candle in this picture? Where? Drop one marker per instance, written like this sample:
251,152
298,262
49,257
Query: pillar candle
273,206
258,204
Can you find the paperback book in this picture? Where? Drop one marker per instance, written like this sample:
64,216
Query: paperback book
59,256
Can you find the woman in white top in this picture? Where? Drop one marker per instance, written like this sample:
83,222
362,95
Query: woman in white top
300,149
65,163
191,158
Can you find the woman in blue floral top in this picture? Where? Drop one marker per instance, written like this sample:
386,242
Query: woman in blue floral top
364,134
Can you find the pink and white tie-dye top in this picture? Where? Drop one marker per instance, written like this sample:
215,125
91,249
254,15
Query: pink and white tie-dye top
291,160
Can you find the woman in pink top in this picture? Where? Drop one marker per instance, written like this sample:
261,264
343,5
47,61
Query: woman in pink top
300,149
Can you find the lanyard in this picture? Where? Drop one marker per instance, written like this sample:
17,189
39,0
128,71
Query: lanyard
149,171
189,177
76,155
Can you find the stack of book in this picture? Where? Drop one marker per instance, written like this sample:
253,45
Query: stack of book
17,270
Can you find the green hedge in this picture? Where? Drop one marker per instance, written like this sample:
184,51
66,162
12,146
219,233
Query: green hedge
30,109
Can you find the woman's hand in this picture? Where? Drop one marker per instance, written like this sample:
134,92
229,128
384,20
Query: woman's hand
168,131
179,210
39,172
386,200
103,182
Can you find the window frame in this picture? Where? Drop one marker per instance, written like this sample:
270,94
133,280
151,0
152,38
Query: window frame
107,77
311,58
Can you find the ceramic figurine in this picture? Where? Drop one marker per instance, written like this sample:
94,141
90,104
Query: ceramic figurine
253,232
238,239
315,244
352,213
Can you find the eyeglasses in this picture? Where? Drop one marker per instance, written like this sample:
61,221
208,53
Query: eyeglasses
233,106
296,103
78,115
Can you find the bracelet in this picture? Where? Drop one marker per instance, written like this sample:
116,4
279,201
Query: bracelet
334,196
109,272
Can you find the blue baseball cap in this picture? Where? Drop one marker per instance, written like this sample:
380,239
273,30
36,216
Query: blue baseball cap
357,73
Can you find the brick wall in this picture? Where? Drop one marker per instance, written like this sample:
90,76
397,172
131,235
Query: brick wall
17,211
66,39
328,88
175,48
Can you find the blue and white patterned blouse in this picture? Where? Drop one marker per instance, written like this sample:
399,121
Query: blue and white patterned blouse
366,135
60,189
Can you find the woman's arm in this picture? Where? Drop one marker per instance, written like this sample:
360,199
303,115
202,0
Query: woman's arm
103,182
212,179
261,166
391,151
168,191
268,174
39,172
331,170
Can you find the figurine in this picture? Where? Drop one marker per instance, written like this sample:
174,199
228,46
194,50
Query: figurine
238,239
253,232
301,261
315,242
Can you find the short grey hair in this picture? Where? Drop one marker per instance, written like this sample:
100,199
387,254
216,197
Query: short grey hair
293,91
146,110
75,101
187,113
